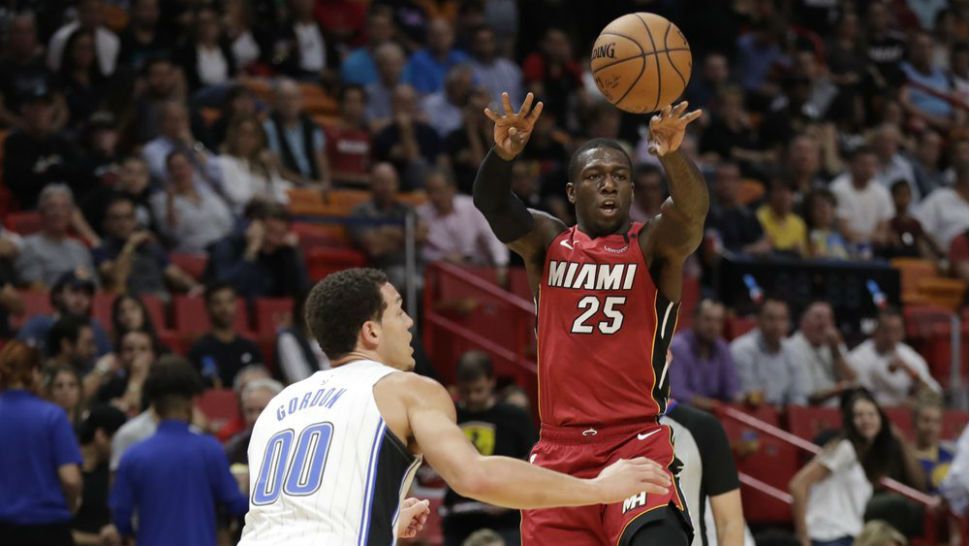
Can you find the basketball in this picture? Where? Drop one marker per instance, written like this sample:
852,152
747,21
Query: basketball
641,62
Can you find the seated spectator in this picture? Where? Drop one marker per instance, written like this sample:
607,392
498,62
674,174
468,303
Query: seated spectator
457,231
736,226
296,140
785,230
767,370
253,399
50,253
22,69
408,143
175,134
36,155
650,193
100,159
359,66
39,457
818,349
928,83
383,242
122,382
427,67
465,147
864,205
263,261
189,214
892,166
80,79
443,109
248,169
709,81
703,374
348,141
884,46
239,102
297,352
253,372
759,53
495,428
804,161
95,434
62,386
926,162
173,481
906,235
552,73
944,213
824,238
129,313
143,38
131,260
206,59
131,180
219,354
89,19
830,493
390,61
70,342
299,47
730,135
934,455
890,368
495,73
71,295
163,84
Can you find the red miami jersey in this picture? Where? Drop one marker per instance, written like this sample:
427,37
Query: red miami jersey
603,332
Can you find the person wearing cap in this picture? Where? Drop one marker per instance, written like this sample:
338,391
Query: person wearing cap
95,434
71,295
22,67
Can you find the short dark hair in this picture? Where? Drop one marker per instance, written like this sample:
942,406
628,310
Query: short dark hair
67,327
861,150
101,417
472,366
172,382
888,313
706,301
349,87
174,153
214,288
118,198
340,304
771,298
898,185
591,144
150,62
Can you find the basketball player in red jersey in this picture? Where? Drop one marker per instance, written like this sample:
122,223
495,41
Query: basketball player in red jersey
607,293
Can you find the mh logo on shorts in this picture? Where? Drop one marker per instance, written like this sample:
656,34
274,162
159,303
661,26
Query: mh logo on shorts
635,501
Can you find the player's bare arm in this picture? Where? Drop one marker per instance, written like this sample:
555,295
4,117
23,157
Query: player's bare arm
420,409
677,231
527,232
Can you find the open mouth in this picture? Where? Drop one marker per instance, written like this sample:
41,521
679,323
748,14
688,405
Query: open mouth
608,207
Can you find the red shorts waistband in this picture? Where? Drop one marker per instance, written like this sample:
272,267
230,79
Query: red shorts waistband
591,434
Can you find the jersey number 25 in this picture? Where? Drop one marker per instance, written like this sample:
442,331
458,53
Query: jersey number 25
591,304
299,475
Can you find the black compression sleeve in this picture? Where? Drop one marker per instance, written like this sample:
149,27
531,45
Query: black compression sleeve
492,193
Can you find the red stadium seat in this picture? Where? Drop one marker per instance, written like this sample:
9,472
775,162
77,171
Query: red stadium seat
272,314
808,422
738,326
192,319
220,406
157,311
902,418
193,264
35,303
324,261
24,223
954,422
101,309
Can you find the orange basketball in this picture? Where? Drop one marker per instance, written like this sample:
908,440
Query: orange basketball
641,62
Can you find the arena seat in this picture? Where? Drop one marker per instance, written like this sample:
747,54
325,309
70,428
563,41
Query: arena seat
954,422
315,235
157,310
192,263
24,223
36,302
271,314
807,422
324,261
101,305
192,320
220,406
902,418
735,326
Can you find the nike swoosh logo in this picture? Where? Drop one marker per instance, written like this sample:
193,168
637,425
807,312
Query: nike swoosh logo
532,459
566,244
646,435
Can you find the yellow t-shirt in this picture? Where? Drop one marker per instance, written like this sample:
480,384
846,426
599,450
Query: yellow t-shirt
787,234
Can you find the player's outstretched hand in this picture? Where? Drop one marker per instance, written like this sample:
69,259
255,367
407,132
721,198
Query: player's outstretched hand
414,513
667,128
512,129
628,477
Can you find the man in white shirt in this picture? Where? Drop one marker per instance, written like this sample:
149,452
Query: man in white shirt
766,370
943,214
892,165
892,370
106,43
496,74
818,350
864,206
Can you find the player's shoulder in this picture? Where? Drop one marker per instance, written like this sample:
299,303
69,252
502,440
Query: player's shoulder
412,385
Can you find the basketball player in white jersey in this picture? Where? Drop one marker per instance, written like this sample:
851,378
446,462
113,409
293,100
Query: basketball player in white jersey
332,456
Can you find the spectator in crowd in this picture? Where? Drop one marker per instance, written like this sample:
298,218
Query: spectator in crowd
830,493
298,354
906,235
62,386
206,59
23,69
759,54
704,373
50,253
359,67
767,370
100,159
552,73
944,213
239,102
890,368
735,225
175,135
163,84
296,140
143,38
804,161
189,214
253,399
89,19
714,76
71,295
383,242
465,147
934,455
818,349
884,46
457,231
95,434
650,193
926,162
785,230
70,342
926,84
130,260
122,383
80,79
253,372
36,155
495,73
130,180
129,313
444,108
824,238
299,48
427,67
247,167
222,352
348,141
864,205
494,428
173,481
891,164
39,457
263,261
390,61
730,135
408,143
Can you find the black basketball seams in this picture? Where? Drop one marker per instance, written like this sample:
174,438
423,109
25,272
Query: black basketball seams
671,61
640,56
654,44
642,66
636,43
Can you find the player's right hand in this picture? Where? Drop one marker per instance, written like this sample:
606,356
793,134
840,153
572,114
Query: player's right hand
628,477
513,129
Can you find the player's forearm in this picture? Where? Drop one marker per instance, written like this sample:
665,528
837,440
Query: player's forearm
688,189
492,193
512,483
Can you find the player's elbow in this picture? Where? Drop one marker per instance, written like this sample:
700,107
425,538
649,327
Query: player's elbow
471,481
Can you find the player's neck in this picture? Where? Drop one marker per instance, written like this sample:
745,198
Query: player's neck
359,354
593,234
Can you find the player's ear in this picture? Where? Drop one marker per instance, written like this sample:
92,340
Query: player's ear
370,334
571,192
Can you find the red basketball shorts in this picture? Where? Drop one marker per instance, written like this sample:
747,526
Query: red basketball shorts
584,453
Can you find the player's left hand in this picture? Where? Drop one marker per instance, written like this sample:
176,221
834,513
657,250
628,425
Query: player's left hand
667,128
414,514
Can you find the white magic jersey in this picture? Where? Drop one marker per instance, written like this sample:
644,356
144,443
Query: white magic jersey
323,467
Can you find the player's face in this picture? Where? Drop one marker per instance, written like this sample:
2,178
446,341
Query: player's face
603,193
394,345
